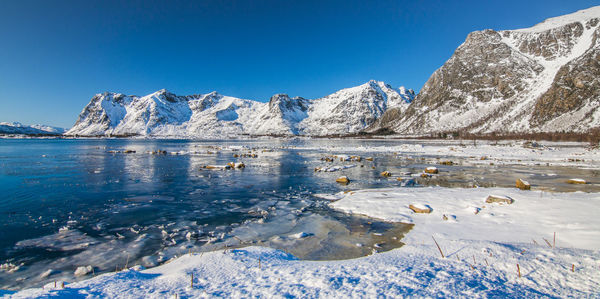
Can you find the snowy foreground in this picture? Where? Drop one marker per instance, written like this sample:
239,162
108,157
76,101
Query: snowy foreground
482,243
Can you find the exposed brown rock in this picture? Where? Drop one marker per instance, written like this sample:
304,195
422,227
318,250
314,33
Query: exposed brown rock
523,185
499,199
420,209
386,174
576,181
431,170
343,180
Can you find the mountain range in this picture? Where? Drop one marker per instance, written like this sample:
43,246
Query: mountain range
540,79
164,114
16,128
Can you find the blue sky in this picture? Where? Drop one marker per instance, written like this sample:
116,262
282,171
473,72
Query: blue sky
55,55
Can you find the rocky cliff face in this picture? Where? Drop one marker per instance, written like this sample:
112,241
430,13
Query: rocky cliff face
164,114
539,79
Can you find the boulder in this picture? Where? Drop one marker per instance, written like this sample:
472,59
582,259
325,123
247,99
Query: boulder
240,165
369,158
431,170
386,174
576,181
499,199
447,163
523,185
343,180
82,271
422,209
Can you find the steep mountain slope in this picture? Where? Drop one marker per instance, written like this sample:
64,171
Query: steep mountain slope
538,79
281,116
163,114
353,109
20,129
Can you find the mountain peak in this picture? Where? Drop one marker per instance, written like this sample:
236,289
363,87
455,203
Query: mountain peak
578,16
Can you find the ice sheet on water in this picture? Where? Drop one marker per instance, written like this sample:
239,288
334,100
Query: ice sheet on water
64,240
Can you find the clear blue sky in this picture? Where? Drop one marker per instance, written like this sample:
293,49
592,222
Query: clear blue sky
55,55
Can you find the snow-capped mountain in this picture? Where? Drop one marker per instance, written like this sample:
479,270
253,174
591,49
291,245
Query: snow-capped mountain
351,110
540,79
20,129
163,114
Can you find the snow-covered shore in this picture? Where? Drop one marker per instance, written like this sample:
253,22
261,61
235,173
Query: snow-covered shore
481,252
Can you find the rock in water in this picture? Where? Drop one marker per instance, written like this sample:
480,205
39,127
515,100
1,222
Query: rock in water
431,170
523,185
343,180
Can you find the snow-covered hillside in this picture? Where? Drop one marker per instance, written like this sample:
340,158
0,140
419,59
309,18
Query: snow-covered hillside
163,114
539,79
20,129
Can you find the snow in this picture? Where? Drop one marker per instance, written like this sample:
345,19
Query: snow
481,254
334,168
551,23
533,215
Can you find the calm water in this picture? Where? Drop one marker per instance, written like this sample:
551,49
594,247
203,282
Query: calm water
70,203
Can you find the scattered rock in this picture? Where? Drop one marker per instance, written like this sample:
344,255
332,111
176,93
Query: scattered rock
447,163
301,235
431,170
399,179
240,165
221,167
369,158
343,180
425,175
423,209
386,174
452,218
48,273
576,181
499,199
83,270
523,185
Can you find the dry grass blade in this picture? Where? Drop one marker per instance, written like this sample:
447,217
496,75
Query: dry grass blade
438,246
